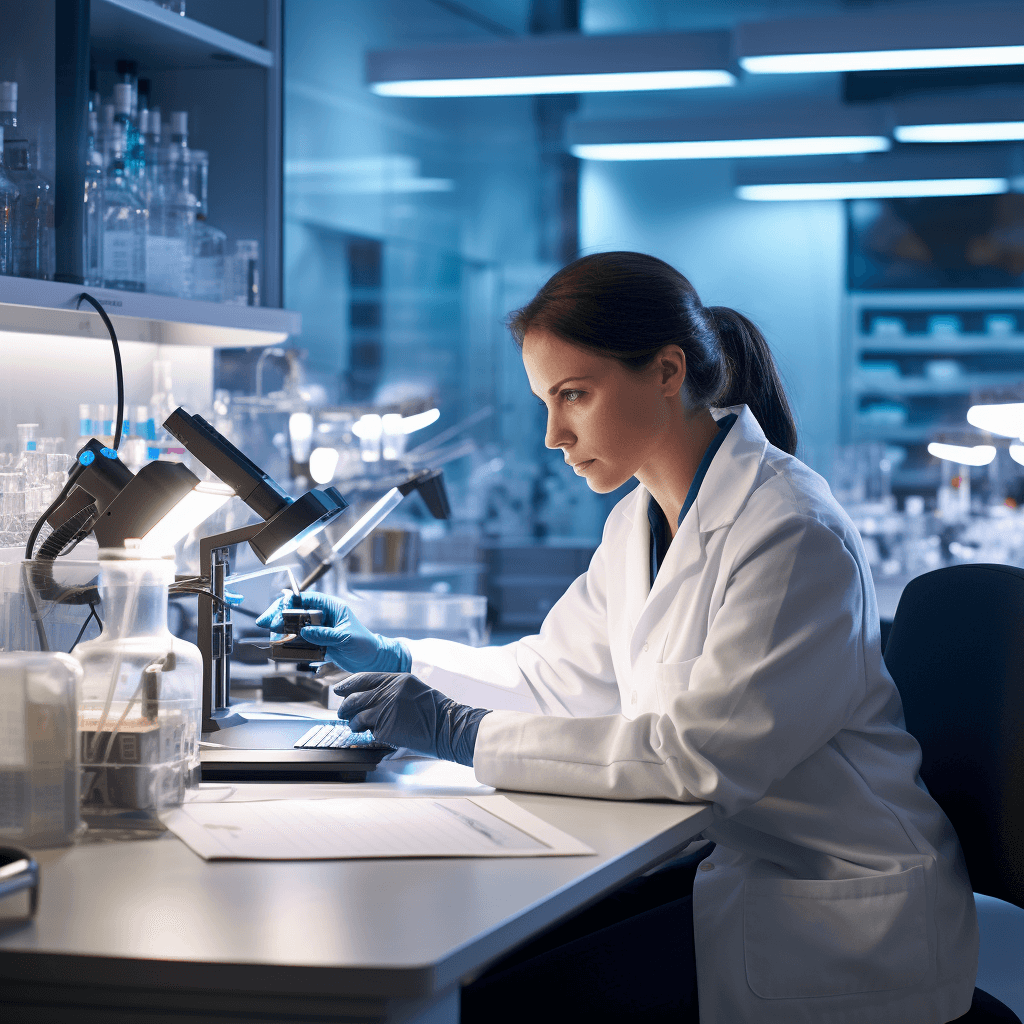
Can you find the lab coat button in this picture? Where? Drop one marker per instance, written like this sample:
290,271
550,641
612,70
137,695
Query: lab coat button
706,866
645,647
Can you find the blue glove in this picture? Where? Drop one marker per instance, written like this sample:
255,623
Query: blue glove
400,710
349,644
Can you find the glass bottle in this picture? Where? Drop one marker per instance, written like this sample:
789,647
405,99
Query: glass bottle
209,246
8,205
124,224
172,217
39,766
244,279
92,241
34,238
140,712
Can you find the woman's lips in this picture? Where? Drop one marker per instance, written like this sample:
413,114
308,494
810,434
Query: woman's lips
579,467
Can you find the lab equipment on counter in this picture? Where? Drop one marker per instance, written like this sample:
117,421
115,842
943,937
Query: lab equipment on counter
141,700
38,748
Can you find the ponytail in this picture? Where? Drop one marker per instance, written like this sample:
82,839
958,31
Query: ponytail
629,306
752,377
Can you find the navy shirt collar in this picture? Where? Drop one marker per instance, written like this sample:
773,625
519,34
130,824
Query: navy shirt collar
661,536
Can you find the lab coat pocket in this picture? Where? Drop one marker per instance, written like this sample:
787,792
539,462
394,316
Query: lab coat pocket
810,938
672,679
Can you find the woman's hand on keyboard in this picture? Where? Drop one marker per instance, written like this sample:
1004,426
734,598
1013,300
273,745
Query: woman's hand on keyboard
401,710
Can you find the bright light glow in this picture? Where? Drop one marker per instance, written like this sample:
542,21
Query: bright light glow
300,431
197,506
979,131
286,549
1006,419
1017,453
539,85
410,424
322,464
874,189
978,455
368,426
719,149
882,60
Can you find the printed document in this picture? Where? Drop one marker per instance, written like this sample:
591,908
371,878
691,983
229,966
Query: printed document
485,826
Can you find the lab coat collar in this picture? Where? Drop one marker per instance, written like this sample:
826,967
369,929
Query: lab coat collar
731,477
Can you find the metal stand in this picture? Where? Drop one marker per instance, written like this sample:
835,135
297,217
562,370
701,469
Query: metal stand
215,630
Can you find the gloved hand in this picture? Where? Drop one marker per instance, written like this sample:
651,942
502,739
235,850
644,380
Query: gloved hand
349,644
399,709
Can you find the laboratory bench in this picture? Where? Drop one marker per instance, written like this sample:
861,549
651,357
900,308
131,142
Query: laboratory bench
144,930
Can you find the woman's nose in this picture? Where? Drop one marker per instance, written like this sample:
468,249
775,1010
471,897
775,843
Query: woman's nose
557,436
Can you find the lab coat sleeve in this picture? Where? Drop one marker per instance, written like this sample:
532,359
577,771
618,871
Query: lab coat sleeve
564,670
781,669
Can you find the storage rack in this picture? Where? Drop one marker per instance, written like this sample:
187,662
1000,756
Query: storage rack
913,361
222,63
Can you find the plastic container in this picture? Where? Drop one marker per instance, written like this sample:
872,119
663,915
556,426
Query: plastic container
417,616
141,707
38,748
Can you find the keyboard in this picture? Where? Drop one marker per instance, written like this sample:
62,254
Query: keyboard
337,734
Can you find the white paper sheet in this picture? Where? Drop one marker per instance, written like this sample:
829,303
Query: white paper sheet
377,827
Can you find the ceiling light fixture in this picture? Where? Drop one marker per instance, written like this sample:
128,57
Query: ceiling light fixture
720,149
821,190
555,63
883,41
977,131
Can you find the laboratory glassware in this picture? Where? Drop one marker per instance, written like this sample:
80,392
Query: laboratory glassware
172,216
8,206
92,239
124,223
209,245
34,238
38,748
244,285
141,704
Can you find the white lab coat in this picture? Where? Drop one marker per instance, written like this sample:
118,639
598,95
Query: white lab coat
749,676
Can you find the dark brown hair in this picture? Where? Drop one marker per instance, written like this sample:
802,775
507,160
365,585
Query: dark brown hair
629,306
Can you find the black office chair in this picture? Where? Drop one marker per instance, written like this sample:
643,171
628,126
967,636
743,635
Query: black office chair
956,653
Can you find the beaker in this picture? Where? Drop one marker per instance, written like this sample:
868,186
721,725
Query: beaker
141,707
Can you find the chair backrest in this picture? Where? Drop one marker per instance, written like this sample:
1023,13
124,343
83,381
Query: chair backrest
956,653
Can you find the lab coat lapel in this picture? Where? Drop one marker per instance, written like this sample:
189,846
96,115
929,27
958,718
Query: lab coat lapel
731,477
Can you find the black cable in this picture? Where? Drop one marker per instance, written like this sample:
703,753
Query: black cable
117,363
92,615
54,505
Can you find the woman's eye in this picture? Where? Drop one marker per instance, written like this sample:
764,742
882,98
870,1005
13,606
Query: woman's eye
572,396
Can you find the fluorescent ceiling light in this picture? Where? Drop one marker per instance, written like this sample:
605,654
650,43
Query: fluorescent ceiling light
873,189
555,63
1017,453
725,148
882,60
978,131
419,420
976,455
1006,419
542,85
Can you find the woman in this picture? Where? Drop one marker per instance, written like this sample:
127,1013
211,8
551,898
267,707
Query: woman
724,647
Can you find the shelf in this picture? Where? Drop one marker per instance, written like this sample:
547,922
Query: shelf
969,344
163,41
48,307
965,385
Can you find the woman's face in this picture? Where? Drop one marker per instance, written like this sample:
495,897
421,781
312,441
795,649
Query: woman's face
607,419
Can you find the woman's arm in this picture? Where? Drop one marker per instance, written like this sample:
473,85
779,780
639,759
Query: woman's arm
781,670
564,670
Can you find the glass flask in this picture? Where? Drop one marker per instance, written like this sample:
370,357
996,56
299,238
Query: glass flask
209,244
172,218
124,223
140,711
38,763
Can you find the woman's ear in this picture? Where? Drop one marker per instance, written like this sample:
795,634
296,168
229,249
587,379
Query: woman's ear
671,363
